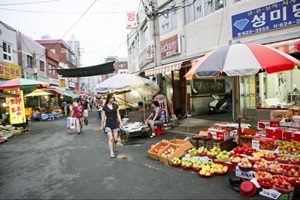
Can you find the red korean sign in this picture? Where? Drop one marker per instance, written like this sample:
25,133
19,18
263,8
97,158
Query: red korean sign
16,109
131,20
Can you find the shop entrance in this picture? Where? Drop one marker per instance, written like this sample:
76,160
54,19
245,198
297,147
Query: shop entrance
247,96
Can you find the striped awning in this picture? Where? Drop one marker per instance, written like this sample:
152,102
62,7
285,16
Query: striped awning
164,69
288,46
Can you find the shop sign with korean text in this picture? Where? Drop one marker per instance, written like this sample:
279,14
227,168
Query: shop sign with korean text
9,70
278,15
16,109
131,20
169,47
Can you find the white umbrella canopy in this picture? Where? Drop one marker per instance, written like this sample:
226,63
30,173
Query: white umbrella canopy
38,92
135,87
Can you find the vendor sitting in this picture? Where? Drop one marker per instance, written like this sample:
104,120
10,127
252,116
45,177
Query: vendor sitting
57,111
36,114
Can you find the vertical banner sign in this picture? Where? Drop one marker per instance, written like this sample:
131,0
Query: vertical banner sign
131,20
162,100
17,110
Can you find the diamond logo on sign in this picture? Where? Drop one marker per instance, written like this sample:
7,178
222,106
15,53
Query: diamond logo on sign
240,24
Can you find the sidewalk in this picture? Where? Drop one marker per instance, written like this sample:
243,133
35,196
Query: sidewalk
194,124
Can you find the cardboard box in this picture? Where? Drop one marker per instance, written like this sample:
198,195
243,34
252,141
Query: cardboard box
244,174
263,124
246,140
271,132
224,145
279,133
201,142
260,143
296,136
178,153
220,133
288,134
293,123
151,152
278,114
184,144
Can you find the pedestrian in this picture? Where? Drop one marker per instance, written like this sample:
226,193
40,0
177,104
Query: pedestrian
63,107
141,106
110,117
85,104
154,118
78,112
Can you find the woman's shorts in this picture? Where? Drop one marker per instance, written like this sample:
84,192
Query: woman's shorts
109,130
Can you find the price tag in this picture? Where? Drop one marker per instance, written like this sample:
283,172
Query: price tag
270,193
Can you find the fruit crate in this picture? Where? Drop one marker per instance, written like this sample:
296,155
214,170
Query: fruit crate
224,145
151,152
178,153
184,144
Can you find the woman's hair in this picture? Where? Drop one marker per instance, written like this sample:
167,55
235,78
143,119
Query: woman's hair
109,96
78,100
155,103
140,104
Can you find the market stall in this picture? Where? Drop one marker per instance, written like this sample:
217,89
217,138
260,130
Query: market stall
265,160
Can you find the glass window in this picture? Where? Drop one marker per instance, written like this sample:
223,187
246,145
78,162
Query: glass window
279,90
29,61
52,50
167,22
7,51
52,69
42,66
200,8
189,11
208,6
145,37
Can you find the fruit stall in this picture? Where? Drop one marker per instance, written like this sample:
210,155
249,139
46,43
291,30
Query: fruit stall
266,164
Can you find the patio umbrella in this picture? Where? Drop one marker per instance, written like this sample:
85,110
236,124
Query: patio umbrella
22,84
242,59
123,83
134,86
38,92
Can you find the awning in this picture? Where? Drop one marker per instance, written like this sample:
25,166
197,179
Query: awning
164,69
55,91
101,69
288,46
71,94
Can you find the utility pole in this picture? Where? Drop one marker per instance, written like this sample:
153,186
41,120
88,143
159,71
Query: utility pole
156,39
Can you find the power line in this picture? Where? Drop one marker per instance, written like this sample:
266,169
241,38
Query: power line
70,28
35,2
64,13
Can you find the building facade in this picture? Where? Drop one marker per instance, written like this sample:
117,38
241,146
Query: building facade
192,28
9,61
67,59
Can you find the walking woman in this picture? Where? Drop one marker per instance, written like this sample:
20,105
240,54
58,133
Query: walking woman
110,118
78,112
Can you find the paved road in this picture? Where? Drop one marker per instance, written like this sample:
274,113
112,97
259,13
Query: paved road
51,163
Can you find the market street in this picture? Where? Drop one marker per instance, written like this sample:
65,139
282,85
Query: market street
52,163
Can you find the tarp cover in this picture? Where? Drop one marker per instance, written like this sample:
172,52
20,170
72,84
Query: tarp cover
100,69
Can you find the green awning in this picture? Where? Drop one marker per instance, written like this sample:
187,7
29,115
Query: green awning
72,94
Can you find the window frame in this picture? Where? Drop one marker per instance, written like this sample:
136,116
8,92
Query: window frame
42,66
7,51
29,60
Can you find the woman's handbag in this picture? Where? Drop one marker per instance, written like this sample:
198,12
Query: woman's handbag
86,122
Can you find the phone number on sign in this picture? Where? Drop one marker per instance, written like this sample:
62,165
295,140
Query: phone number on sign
266,28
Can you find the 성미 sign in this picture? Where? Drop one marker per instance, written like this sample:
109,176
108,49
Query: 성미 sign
274,16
